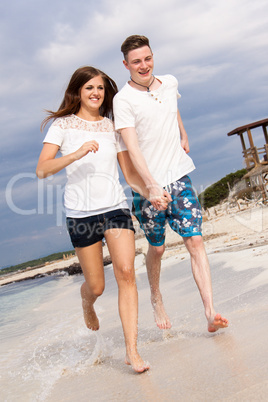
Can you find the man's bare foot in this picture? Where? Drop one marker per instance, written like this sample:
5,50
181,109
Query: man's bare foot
217,322
136,362
160,315
90,316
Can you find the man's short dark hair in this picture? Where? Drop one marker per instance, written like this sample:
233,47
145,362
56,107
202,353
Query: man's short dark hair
134,42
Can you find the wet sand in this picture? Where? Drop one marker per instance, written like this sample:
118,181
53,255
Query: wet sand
187,362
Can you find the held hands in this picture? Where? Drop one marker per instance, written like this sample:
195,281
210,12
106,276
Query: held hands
89,146
159,198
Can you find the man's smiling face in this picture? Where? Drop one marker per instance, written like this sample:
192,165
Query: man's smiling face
140,64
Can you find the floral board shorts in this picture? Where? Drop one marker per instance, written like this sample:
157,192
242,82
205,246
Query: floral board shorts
183,213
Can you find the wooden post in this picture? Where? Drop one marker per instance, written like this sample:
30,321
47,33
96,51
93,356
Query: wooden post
265,133
266,142
254,151
242,141
266,150
251,143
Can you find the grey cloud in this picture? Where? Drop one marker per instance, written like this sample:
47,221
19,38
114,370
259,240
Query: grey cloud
217,51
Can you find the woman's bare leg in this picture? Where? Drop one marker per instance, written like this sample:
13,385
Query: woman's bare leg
91,261
121,246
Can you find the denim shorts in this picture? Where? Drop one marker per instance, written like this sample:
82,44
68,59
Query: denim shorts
90,230
183,213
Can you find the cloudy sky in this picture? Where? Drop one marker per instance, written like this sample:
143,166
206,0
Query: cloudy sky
217,51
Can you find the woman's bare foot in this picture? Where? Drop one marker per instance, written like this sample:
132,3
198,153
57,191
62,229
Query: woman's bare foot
136,362
160,315
90,316
217,322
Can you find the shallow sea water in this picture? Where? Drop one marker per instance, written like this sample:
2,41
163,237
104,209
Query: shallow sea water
43,336
47,353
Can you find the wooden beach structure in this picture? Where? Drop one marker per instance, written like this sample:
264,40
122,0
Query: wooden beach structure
256,159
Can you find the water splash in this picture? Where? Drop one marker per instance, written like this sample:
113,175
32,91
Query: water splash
41,367
102,350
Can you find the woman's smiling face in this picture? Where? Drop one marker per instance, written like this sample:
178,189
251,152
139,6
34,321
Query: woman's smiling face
92,94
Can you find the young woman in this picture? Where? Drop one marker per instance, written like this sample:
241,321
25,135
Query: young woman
95,202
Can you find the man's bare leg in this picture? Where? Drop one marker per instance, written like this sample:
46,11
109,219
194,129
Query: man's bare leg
153,265
201,273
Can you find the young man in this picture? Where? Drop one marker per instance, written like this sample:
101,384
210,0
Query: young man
147,116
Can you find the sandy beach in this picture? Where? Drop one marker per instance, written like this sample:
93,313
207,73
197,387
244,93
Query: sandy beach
224,228
187,362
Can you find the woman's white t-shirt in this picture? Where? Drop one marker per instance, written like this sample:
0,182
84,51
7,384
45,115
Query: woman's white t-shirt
93,181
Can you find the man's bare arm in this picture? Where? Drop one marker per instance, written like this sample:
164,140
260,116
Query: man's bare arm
133,178
184,136
156,192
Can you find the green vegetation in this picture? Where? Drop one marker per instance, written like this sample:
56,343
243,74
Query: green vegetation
36,263
217,192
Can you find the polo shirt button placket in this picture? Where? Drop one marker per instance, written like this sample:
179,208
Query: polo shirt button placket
156,98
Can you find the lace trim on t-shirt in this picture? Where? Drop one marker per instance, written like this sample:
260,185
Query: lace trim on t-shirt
75,123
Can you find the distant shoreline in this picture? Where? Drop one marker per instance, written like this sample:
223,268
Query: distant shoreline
37,262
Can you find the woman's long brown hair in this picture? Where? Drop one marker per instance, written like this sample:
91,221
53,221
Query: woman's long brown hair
71,101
